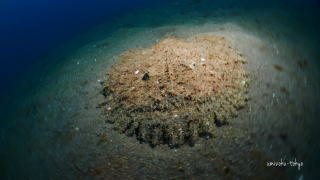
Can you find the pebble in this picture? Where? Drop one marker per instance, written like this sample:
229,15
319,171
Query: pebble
180,169
203,59
109,108
193,64
146,77
136,72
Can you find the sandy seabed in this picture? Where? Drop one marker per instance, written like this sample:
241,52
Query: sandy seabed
59,133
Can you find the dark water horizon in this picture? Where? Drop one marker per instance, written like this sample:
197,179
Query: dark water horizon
32,30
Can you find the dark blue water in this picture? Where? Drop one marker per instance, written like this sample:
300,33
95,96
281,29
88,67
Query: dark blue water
31,31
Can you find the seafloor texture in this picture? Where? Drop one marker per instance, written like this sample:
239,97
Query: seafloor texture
176,90
57,131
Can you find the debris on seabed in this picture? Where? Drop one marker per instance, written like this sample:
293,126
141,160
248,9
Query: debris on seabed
180,169
284,90
76,129
277,67
103,139
203,59
145,77
136,72
302,64
78,63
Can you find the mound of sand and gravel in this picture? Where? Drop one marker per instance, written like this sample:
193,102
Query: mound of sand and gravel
176,90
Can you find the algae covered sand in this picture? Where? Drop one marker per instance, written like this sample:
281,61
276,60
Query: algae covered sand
176,90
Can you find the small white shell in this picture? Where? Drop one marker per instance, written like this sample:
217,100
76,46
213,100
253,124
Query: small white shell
203,59
136,72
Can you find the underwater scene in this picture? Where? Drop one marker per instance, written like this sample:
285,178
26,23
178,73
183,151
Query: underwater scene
181,89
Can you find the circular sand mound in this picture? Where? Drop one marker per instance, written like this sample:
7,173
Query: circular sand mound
177,90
